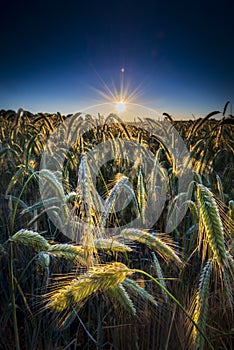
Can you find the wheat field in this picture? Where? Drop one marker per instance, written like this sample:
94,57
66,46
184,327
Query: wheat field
139,287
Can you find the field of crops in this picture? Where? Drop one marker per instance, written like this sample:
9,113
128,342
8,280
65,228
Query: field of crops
80,272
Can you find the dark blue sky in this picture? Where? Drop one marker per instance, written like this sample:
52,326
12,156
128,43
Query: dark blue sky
180,53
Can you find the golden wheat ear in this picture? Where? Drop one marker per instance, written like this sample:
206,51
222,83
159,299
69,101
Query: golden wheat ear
212,222
67,295
109,244
141,195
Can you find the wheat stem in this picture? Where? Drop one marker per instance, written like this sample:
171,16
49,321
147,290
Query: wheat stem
178,304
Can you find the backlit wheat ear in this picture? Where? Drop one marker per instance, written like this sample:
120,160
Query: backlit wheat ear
52,186
212,222
87,195
68,251
76,292
111,245
30,238
199,123
193,210
201,305
53,182
141,195
121,183
163,245
110,200
112,117
43,260
83,188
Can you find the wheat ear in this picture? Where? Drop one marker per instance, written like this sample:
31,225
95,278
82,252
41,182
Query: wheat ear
109,244
212,223
73,294
158,269
121,299
30,238
141,195
68,251
163,245
201,305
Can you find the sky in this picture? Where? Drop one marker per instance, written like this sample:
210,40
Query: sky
59,55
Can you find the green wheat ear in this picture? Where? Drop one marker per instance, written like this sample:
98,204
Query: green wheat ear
231,210
201,305
163,245
158,269
138,292
212,223
30,238
121,299
68,251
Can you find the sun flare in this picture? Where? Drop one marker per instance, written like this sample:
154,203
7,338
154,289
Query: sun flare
120,106
119,95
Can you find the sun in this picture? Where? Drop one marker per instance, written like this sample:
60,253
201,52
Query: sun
120,95
120,106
